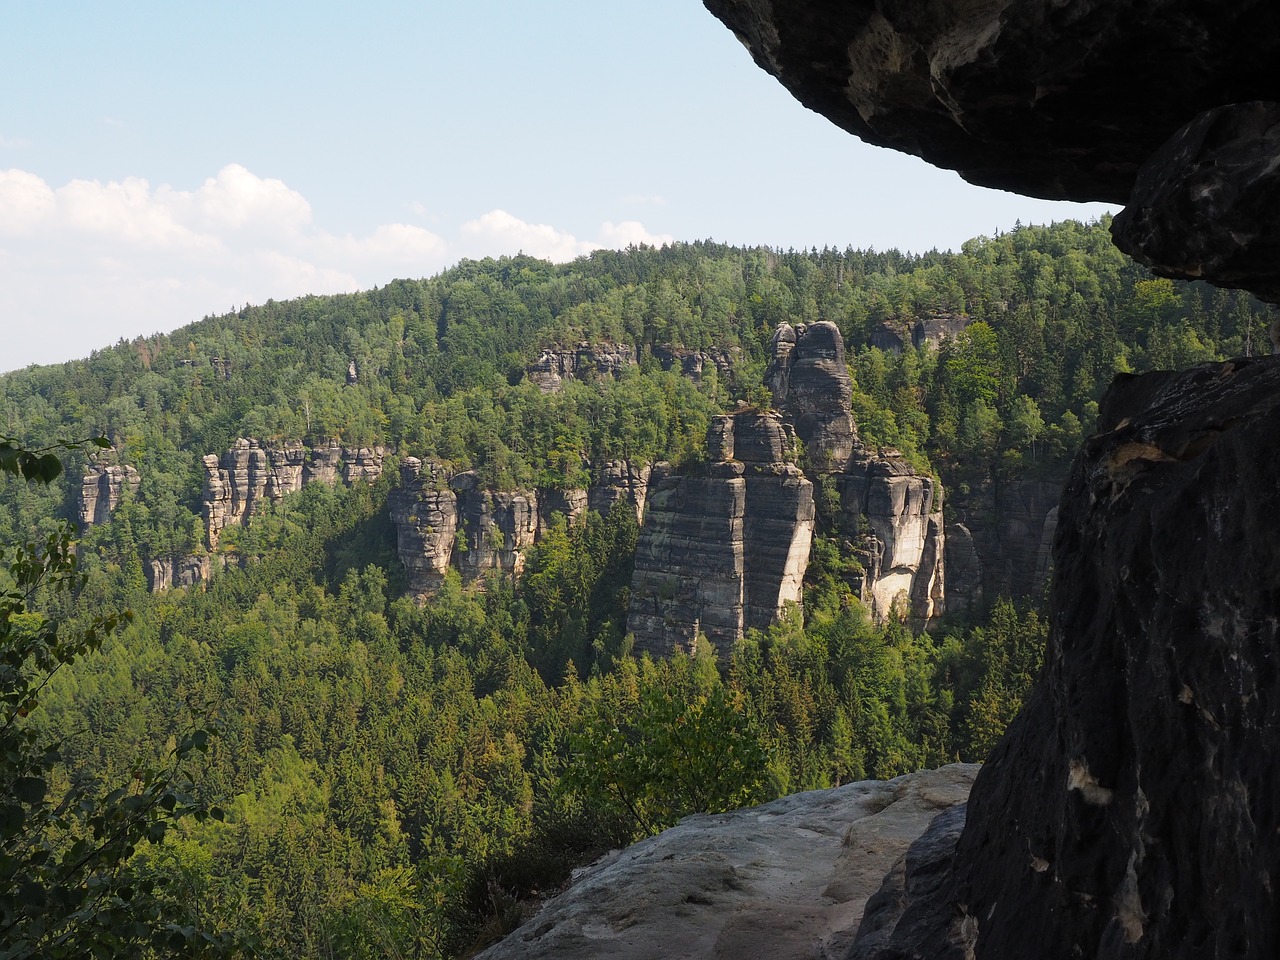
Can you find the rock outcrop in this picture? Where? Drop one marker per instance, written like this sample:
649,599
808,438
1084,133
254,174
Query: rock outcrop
694,363
1050,98
102,488
251,474
496,527
558,364
786,880
897,517
617,480
1130,809
934,329
724,551
425,514
1010,526
178,570
810,382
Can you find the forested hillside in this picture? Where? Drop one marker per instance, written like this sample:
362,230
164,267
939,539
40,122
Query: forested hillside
398,777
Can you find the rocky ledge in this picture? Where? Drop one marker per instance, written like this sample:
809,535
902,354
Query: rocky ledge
784,881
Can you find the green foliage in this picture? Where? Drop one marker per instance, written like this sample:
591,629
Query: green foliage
682,744
67,885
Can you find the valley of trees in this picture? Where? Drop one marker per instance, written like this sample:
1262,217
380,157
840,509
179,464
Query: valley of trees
401,780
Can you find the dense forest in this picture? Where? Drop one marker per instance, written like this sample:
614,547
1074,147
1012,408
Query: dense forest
402,779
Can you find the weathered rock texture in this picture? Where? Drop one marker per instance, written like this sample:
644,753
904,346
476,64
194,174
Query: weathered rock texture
783,881
1132,808
557,364
1009,526
894,335
496,527
1051,98
1202,204
694,363
102,488
425,514
1063,99
251,474
726,551
897,518
178,571
615,480
810,382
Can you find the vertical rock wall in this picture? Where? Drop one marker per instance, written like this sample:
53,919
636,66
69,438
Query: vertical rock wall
425,514
102,488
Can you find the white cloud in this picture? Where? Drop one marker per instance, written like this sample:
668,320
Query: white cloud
497,233
89,262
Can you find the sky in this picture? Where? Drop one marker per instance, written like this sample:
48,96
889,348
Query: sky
160,162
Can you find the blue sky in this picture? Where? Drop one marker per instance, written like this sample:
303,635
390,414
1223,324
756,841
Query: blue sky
164,161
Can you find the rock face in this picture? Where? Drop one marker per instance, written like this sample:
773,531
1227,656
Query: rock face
102,488
496,527
694,363
810,382
1130,810
557,364
425,513
1009,528
1051,98
620,480
726,551
1194,212
178,571
894,335
783,881
250,474
898,518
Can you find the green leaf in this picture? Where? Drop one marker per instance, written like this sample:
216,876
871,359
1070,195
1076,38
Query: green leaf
29,790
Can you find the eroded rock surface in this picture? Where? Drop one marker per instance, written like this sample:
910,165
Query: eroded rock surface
102,488
724,551
810,382
557,364
897,517
787,880
1131,809
425,514
1063,99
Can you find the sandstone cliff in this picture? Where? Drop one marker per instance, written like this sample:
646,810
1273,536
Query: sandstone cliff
810,382
897,517
102,488
251,474
723,552
557,364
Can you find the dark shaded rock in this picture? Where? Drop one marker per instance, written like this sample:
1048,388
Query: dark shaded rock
1203,205
936,328
570,504
964,570
1133,807
810,383
1062,99
915,880
1008,522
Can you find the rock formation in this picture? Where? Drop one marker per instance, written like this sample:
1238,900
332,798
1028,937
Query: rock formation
496,527
619,480
249,475
425,514
726,551
1009,527
693,363
102,488
786,880
178,570
1130,809
894,335
897,516
557,364
810,383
